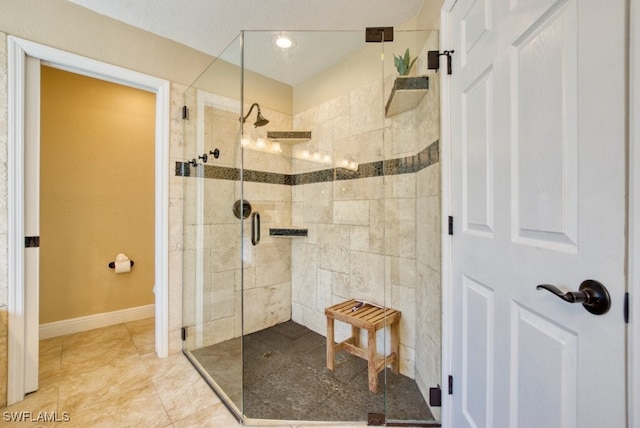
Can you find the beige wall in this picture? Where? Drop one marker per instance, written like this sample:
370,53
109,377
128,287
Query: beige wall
223,78
72,28
363,67
429,16
97,147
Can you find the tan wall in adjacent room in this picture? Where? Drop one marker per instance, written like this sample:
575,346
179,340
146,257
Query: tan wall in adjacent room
97,155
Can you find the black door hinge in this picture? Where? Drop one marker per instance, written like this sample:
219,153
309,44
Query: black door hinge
626,308
31,241
433,60
185,112
450,225
375,419
183,333
450,385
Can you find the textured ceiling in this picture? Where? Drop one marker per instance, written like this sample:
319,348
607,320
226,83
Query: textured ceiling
212,25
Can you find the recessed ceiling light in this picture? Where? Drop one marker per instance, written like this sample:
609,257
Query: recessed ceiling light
284,42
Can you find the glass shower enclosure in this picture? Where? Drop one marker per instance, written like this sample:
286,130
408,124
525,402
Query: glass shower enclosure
309,184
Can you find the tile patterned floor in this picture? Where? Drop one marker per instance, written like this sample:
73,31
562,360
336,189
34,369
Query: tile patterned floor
286,378
111,377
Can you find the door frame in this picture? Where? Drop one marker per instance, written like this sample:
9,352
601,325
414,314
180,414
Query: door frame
18,50
447,254
633,213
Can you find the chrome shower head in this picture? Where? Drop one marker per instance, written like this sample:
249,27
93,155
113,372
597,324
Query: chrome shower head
260,120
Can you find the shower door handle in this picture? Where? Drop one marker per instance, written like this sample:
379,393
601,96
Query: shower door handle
255,228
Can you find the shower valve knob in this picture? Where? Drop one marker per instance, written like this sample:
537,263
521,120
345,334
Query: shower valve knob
204,158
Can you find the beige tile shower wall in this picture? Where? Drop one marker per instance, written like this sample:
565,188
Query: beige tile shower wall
375,238
351,251
176,194
428,297
194,263
209,272
350,126
267,285
266,159
215,258
428,346
267,295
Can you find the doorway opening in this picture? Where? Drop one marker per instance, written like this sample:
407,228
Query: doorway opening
21,330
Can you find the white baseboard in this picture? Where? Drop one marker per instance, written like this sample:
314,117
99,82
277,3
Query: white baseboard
75,325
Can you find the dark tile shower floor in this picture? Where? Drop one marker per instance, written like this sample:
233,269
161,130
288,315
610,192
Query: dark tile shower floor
286,378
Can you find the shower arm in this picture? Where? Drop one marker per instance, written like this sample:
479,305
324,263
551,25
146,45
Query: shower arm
243,120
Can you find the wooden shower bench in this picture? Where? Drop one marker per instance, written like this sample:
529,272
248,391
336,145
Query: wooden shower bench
372,318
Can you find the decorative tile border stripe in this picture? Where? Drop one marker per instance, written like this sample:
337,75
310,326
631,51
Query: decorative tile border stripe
406,165
365,170
219,172
415,163
313,177
268,177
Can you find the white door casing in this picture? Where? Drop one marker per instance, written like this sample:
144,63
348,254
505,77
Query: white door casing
537,190
23,324
32,222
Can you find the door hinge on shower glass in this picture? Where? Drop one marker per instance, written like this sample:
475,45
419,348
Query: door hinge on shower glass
378,34
185,112
435,396
450,231
375,419
183,333
450,385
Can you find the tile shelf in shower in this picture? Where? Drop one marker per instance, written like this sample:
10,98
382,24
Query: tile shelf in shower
290,137
288,232
406,94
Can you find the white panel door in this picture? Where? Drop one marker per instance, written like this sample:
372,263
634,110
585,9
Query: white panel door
538,197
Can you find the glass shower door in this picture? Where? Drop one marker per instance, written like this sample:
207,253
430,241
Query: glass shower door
301,171
213,215
315,191
412,223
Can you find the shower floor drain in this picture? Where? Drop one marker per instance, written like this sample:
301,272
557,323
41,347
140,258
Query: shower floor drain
267,355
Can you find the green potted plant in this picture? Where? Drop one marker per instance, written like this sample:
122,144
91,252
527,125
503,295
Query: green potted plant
407,91
404,63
